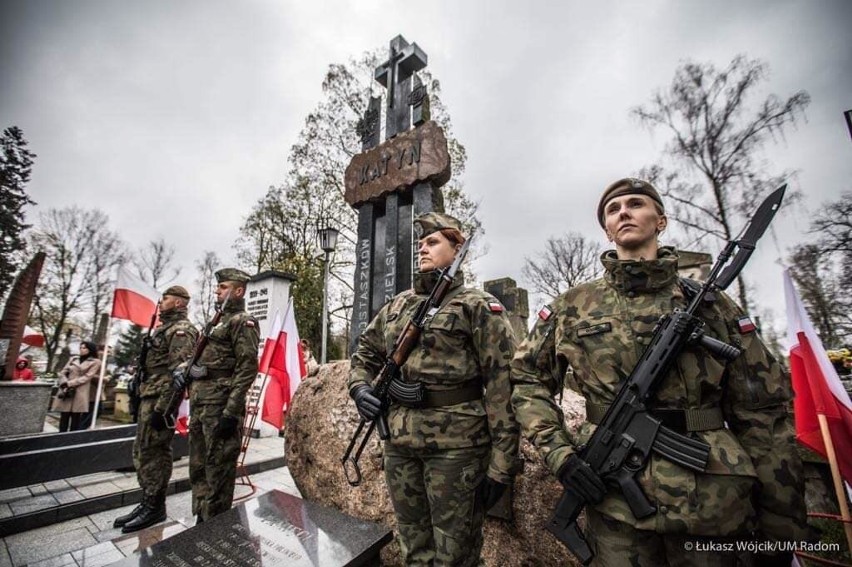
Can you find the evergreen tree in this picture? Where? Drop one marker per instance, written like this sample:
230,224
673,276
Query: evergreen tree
129,344
15,169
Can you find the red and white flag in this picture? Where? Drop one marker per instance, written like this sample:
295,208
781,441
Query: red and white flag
817,386
134,300
265,365
286,369
182,421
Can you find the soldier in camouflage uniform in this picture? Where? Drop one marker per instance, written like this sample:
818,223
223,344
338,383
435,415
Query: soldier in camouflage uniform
449,459
753,486
170,346
220,381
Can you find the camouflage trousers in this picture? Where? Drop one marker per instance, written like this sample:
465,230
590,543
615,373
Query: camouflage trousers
152,452
617,544
212,462
439,517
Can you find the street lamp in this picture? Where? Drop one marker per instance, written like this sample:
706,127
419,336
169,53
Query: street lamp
328,242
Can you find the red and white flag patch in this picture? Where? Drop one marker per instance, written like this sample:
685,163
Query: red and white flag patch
495,306
746,325
545,312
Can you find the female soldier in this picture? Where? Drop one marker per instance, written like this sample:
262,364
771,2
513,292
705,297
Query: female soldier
450,458
753,482
76,375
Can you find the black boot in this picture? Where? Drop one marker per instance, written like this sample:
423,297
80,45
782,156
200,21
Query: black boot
153,512
121,520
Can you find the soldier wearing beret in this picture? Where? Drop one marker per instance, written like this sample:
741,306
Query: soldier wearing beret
752,488
450,458
171,345
220,381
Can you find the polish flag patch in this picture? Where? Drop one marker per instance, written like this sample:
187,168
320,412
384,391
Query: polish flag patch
746,325
545,312
495,306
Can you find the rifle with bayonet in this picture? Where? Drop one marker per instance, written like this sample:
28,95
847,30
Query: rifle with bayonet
182,378
134,388
388,384
623,442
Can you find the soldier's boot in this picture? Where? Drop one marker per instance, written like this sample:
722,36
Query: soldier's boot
153,512
122,520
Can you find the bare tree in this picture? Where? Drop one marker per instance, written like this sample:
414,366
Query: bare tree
108,252
716,175
75,241
566,261
154,263
205,304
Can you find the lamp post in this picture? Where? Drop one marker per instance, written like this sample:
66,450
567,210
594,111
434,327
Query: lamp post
328,242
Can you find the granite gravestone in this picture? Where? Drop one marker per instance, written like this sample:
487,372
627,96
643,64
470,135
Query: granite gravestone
393,182
272,529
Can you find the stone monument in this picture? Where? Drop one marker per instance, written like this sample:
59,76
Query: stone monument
393,182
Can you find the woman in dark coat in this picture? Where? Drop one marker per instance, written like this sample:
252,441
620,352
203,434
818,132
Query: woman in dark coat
77,374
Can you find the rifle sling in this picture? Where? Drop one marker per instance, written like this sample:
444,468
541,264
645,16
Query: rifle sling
681,420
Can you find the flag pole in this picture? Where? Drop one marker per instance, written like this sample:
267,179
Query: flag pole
101,376
838,481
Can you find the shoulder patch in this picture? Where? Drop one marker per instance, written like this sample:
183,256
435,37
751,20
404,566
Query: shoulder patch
746,325
594,329
545,312
249,323
180,333
495,307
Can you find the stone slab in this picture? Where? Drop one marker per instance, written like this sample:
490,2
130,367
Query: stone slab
418,155
272,529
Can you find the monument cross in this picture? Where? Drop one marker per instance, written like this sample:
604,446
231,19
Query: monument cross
393,182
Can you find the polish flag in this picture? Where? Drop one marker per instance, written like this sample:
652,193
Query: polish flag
134,300
182,421
286,370
817,386
270,346
32,337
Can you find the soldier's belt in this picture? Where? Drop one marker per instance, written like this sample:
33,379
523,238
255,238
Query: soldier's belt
680,420
216,373
418,395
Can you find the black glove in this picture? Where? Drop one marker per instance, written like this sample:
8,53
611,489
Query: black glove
157,421
366,401
577,476
226,427
178,379
490,492
783,559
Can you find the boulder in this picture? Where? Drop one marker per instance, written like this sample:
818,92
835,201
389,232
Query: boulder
321,424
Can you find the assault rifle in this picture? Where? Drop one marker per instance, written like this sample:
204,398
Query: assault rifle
134,388
183,378
387,384
623,442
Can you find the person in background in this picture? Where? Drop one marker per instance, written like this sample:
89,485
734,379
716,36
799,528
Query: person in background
72,398
311,364
23,372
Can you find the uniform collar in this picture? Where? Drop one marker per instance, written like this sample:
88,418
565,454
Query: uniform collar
172,315
425,281
641,275
236,305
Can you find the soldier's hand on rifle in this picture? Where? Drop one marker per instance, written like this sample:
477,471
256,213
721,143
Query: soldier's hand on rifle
369,406
179,378
226,427
490,492
157,421
577,476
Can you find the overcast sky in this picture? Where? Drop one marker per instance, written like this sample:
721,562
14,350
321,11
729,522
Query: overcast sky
175,117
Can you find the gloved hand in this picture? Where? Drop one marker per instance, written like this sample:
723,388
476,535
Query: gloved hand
157,421
369,406
178,378
577,476
783,559
490,492
226,427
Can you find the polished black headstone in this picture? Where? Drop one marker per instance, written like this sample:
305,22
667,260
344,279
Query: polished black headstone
272,529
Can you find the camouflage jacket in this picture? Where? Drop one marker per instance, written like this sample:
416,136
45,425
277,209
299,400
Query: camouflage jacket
231,361
593,339
469,338
171,346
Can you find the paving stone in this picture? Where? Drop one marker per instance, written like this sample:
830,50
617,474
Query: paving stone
5,560
98,555
33,504
37,489
14,494
5,511
99,489
67,496
103,520
64,560
56,485
48,545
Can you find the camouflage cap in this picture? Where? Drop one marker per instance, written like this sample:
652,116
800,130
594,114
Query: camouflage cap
177,291
427,223
232,275
628,186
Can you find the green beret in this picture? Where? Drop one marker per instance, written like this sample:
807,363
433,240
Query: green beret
627,186
177,291
427,223
232,275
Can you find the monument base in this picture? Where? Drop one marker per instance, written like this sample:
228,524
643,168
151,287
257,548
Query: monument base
23,407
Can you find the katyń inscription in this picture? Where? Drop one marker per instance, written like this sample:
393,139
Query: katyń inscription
393,182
